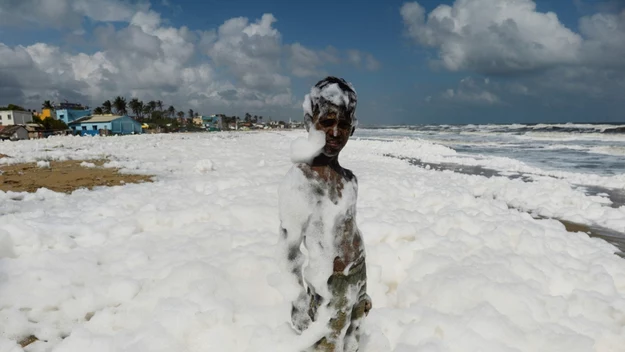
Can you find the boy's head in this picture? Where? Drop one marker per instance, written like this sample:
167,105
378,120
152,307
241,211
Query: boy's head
330,107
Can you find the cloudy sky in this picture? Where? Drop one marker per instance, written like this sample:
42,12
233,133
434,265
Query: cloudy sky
458,61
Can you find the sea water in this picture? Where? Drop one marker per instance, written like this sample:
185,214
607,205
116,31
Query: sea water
582,148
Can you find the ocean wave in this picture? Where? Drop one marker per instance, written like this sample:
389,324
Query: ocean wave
608,150
580,128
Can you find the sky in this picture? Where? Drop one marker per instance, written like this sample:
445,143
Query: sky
419,62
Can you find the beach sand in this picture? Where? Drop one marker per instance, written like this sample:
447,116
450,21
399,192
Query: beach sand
63,176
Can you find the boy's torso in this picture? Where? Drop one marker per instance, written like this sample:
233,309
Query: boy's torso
331,232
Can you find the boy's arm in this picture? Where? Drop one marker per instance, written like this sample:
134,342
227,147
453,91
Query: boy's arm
291,242
294,216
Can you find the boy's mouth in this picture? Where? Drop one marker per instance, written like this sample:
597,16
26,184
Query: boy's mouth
333,143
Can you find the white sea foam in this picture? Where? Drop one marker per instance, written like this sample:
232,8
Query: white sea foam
304,150
190,262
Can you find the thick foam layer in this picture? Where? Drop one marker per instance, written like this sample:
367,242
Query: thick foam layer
190,262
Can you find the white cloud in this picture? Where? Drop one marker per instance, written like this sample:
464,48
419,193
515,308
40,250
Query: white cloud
65,13
304,62
604,43
362,59
251,52
503,36
493,36
240,65
511,37
470,91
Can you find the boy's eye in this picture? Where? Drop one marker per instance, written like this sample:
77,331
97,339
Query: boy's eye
344,124
326,123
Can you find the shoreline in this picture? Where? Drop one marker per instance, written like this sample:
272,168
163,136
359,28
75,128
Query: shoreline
617,198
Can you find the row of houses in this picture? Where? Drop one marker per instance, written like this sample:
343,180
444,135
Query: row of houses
18,125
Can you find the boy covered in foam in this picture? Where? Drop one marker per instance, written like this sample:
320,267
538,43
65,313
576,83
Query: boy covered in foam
318,209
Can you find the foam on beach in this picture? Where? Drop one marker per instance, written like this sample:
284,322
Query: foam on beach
188,262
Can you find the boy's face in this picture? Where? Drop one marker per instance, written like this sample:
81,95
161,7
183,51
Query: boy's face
337,128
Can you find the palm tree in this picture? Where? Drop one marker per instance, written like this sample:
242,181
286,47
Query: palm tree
98,111
107,107
171,111
147,110
135,106
190,113
120,105
152,105
159,103
47,105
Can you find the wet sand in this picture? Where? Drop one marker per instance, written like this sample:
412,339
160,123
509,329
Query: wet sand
63,176
616,196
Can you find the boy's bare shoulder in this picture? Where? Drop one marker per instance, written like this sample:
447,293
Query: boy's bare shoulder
310,173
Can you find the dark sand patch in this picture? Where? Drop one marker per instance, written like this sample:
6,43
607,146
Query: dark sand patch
613,237
28,340
616,196
459,168
63,176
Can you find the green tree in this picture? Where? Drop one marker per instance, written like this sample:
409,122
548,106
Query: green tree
47,105
180,114
50,124
137,107
107,107
98,111
171,111
147,110
12,107
120,105
190,113
159,104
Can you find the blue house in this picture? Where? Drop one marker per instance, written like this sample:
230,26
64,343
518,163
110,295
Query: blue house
212,123
105,124
70,115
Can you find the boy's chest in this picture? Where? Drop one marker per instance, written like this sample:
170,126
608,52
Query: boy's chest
329,195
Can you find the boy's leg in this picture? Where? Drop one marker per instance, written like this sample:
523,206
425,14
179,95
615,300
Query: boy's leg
346,314
338,285
304,309
359,312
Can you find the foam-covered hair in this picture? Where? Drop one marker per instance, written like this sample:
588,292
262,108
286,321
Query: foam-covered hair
330,91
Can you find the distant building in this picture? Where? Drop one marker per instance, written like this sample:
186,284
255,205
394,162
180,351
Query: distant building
35,130
70,115
105,124
197,120
46,113
15,117
13,133
212,122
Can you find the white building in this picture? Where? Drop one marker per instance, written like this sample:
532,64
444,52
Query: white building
15,117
